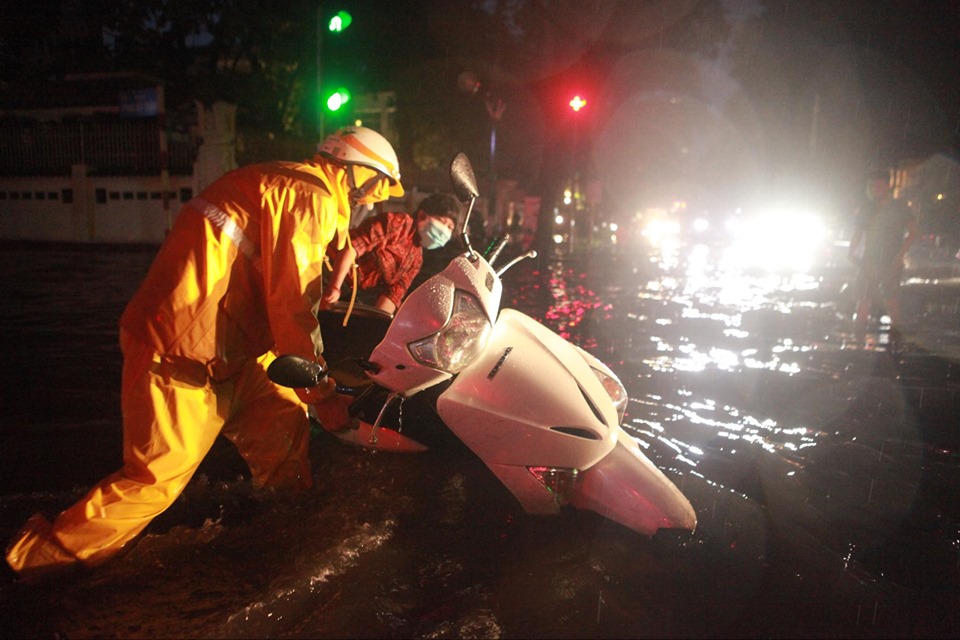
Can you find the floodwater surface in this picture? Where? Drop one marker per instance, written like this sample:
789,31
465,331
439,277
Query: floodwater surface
824,475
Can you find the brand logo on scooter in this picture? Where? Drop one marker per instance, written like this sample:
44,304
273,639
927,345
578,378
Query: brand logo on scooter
499,364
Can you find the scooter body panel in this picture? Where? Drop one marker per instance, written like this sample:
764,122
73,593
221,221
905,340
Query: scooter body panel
530,399
526,403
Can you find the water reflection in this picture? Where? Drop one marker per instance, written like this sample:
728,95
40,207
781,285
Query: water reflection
742,381
693,312
739,377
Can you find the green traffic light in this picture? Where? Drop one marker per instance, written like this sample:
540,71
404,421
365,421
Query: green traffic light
337,99
340,21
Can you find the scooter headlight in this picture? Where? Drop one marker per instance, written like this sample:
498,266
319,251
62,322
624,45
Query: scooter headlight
614,388
460,341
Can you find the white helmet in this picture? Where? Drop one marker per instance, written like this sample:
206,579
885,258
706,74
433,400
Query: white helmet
363,146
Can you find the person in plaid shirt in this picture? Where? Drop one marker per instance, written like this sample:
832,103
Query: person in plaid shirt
388,250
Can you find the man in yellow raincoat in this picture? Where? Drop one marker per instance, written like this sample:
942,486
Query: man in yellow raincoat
236,282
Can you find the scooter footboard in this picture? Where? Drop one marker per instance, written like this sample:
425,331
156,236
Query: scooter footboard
626,487
382,439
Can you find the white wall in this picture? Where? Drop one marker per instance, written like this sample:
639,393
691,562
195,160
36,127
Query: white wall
82,208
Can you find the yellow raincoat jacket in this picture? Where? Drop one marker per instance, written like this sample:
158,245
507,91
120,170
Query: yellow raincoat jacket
235,282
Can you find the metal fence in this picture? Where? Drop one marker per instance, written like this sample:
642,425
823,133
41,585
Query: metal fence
115,148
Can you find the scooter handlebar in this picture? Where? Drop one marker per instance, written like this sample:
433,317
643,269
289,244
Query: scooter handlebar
295,372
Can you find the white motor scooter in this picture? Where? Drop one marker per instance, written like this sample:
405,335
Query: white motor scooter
541,413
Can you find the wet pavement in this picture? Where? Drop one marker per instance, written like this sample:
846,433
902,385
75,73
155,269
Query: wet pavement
824,473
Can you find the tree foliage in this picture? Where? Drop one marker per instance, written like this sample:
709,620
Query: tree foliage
243,51
260,55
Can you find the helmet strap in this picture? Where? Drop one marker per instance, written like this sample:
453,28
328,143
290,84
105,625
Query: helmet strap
355,193
358,193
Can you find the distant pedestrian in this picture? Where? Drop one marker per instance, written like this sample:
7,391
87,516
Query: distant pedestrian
884,230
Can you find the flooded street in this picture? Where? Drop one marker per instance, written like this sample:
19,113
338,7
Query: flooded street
824,474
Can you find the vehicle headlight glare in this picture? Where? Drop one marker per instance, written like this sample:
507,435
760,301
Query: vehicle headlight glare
460,340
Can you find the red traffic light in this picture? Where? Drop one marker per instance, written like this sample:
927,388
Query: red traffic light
577,103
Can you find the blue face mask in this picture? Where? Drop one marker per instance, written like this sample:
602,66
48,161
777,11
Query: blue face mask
434,234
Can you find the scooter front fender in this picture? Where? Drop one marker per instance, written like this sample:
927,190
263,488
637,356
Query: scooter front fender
626,487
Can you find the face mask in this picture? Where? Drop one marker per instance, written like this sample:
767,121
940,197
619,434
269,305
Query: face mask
433,234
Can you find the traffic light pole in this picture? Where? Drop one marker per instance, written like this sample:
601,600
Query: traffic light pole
318,100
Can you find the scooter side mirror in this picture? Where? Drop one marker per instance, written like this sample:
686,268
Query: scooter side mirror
465,186
295,372
462,177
